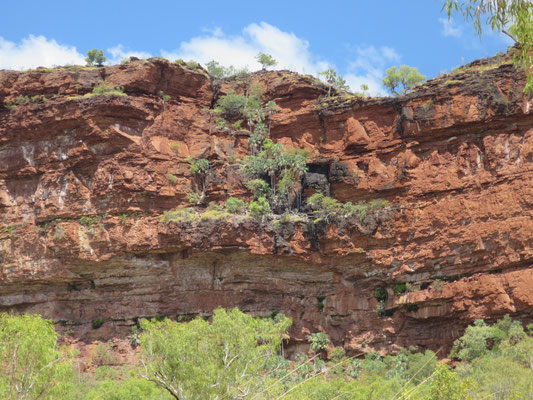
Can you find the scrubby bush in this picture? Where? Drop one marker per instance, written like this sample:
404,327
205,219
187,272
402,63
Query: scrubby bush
232,106
236,206
180,215
103,90
260,208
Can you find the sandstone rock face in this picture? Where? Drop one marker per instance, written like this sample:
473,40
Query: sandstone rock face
84,183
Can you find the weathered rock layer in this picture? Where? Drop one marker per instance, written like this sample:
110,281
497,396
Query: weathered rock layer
84,182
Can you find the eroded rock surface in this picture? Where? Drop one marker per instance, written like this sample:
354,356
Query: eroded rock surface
84,183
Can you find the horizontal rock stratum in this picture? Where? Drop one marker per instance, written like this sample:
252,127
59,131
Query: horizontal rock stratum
84,183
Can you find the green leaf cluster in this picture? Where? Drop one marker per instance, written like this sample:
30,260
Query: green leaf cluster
202,360
95,57
403,79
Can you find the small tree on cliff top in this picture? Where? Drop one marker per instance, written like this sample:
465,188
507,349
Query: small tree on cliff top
266,60
402,80
95,57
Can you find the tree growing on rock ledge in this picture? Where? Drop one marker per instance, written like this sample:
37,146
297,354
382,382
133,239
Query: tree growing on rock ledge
95,57
402,80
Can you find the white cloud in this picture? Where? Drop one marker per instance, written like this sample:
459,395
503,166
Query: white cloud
290,51
369,68
450,28
118,53
37,51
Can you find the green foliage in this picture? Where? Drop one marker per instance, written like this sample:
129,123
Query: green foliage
199,360
175,147
218,72
20,100
329,209
400,288
103,90
402,80
334,80
103,354
172,178
193,198
214,215
95,57
284,167
319,341
97,323
180,215
192,65
215,70
265,60
381,294
236,206
131,387
260,208
89,220
31,365
232,106
164,97
199,167
258,187
474,343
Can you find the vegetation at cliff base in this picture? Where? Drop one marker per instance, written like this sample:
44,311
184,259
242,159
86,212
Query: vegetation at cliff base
239,356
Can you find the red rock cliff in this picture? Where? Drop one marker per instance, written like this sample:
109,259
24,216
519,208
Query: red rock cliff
83,185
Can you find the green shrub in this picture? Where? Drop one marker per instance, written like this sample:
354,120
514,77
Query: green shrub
259,208
103,90
180,215
200,166
400,288
172,178
17,102
102,353
214,214
88,220
164,97
377,204
258,187
381,294
319,341
175,147
193,198
236,206
97,323
232,106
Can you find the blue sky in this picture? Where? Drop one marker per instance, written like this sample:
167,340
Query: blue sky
358,38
